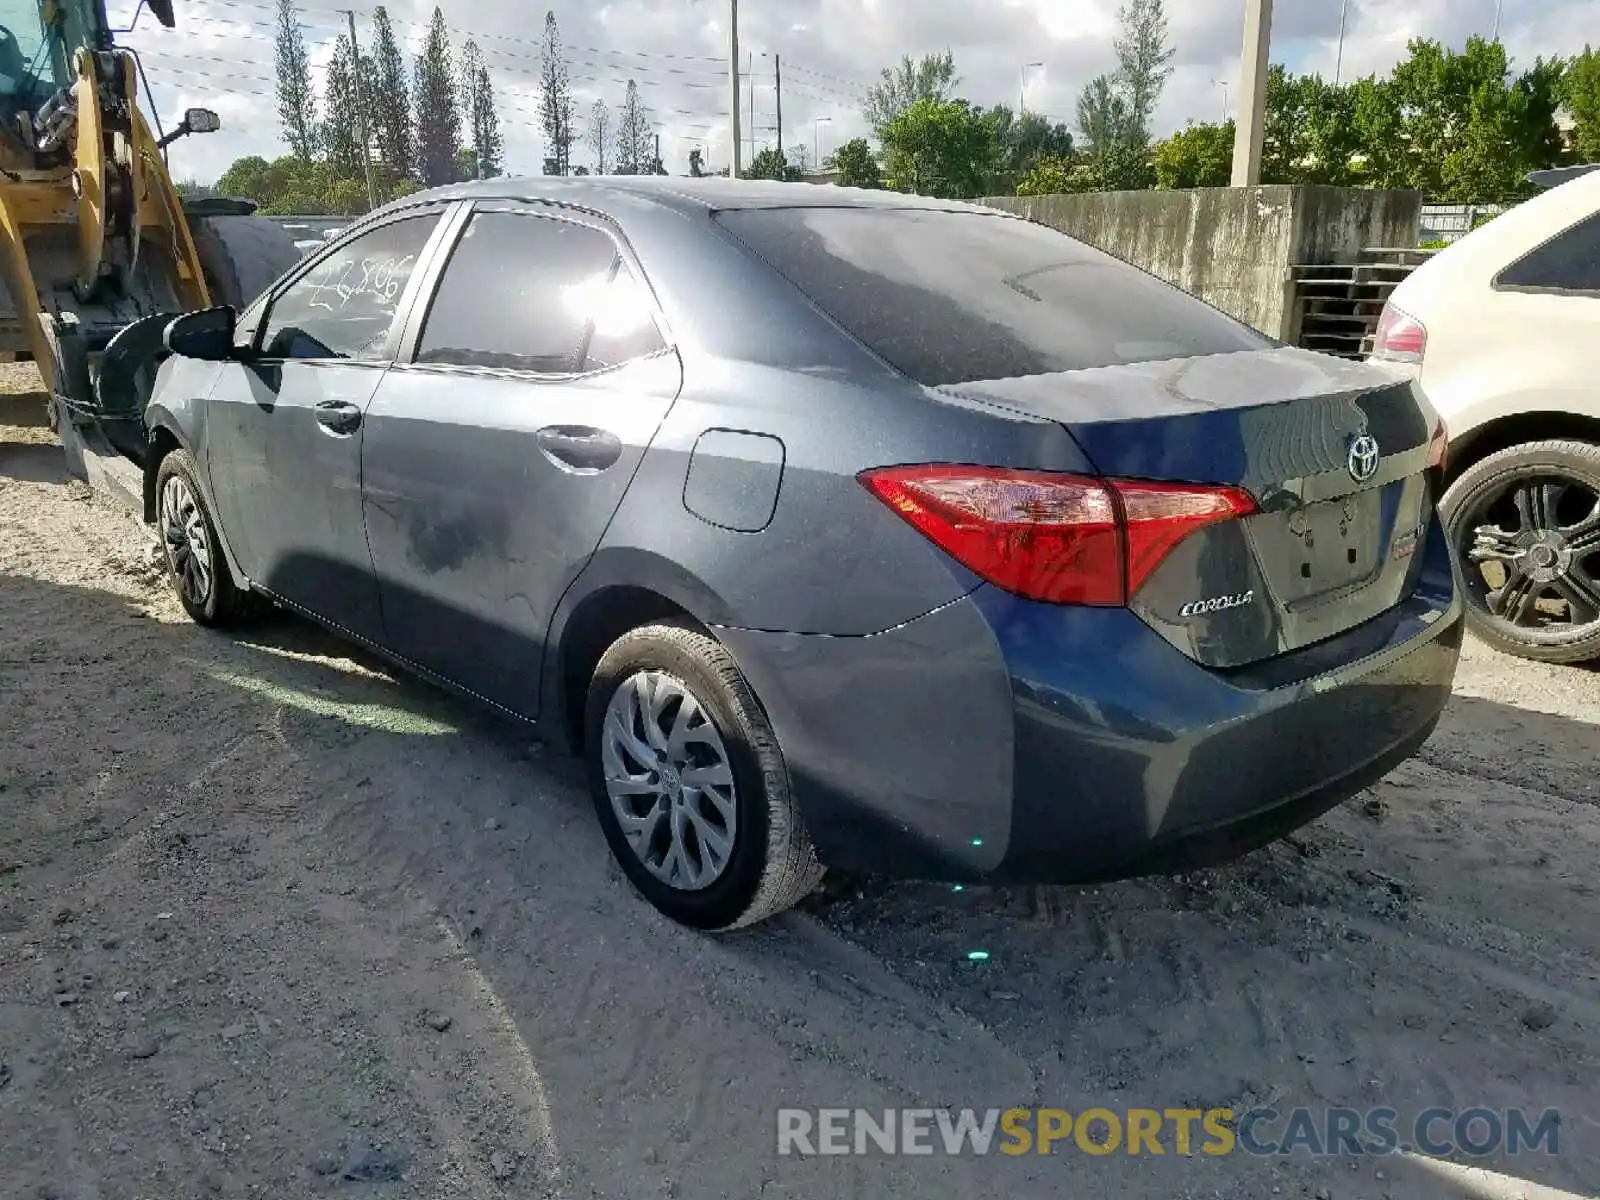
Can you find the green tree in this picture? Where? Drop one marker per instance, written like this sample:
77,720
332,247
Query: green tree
857,165
931,77
1195,157
771,163
1144,58
341,132
635,149
1468,133
940,148
1580,88
555,98
1310,131
1049,176
1103,116
297,99
389,99
1023,138
484,146
601,135
438,118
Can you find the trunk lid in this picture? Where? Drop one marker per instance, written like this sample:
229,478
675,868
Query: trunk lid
1334,453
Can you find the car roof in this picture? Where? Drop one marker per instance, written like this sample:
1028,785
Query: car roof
607,193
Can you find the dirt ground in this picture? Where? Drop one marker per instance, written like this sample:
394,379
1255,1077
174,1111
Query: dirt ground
275,922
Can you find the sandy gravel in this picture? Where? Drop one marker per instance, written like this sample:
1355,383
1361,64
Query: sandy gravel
276,923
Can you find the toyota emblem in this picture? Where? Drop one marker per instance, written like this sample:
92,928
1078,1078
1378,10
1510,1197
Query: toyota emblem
1363,460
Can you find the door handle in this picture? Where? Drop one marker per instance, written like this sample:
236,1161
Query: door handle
338,417
580,448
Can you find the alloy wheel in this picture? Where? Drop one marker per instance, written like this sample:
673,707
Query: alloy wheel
188,546
1530,551
669,781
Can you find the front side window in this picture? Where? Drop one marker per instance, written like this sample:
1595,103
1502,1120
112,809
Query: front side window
345,306
1568,262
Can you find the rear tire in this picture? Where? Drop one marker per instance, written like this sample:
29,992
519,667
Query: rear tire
1497,514
196,565
241,256
710,855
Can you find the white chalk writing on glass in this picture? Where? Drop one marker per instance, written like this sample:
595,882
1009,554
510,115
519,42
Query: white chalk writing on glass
380,277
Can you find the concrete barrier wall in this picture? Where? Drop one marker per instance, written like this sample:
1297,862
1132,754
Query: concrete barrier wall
1232,247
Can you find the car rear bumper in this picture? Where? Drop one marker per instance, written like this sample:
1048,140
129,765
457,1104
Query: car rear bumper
998,739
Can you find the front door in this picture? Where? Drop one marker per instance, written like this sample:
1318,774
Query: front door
494,460
284,428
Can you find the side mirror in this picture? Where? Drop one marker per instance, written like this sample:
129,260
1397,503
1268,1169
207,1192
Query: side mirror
206,335
163,11
202,120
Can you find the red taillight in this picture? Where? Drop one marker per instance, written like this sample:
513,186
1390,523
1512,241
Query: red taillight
1400,336
1067,539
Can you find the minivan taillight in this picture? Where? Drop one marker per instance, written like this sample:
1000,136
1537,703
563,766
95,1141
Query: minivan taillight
1400,336
1066,539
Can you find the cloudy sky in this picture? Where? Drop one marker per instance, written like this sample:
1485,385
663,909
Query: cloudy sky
831,50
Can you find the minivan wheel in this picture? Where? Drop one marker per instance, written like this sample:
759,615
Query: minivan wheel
1525,525
196,566
689,784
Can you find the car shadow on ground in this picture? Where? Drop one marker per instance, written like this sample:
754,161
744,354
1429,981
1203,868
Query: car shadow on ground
1369,960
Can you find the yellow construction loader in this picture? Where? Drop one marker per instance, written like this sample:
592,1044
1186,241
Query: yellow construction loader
97,250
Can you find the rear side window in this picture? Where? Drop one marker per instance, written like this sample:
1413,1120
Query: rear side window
1568,262
345,305
519,293
953,297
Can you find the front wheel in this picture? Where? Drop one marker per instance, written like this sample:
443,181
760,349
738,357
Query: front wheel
1525,526
688,782
196,566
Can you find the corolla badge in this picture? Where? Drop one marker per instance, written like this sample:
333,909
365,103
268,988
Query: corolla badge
1363,460
1217,604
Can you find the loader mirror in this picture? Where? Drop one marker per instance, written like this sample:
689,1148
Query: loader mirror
163,11
202,120
206,335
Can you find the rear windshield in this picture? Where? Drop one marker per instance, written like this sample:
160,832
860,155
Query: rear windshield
953,297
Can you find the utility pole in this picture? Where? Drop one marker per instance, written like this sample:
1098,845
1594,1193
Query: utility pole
750,72
735,169
361,113
1499,5
1338,63
1251,130
1022,87
777,92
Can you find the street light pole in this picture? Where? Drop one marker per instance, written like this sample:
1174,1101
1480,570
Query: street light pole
1251,130
1499,6
1022,87
1338,63
736,167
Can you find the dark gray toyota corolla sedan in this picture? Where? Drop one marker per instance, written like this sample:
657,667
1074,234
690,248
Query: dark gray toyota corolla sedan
830,527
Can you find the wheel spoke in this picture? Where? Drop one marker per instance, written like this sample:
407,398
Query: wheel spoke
1493,544
1534,505
1582,595
715,844
658,693
1515,599
716,774
624,737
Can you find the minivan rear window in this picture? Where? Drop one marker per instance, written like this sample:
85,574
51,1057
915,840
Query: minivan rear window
950,297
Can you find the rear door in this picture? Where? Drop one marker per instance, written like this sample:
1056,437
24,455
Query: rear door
284,429
497,451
